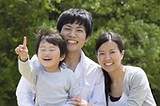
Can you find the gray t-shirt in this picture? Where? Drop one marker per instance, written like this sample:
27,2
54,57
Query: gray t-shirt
51,88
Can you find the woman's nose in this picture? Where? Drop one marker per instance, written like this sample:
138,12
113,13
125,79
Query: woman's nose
107,56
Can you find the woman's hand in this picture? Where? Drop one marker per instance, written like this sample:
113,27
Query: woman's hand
75,100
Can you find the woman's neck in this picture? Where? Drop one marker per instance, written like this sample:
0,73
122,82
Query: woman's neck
118,75
117,82
72,59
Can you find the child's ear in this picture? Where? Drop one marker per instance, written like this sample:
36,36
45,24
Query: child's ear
62,57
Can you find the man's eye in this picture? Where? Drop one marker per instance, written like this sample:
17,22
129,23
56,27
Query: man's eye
79,30
67,28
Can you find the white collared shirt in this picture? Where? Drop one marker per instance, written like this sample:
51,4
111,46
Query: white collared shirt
90,79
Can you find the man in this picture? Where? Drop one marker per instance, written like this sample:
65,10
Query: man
75,25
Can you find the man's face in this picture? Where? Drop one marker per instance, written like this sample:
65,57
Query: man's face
75,36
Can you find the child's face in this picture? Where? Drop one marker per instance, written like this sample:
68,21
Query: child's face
75,36
49,56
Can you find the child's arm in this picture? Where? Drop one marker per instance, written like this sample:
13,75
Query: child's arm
24,65
22,50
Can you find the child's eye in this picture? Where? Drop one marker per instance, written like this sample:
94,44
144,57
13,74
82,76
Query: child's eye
52,50
43,50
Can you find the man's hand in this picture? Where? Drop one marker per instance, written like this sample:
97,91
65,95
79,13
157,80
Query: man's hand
75,100
22,50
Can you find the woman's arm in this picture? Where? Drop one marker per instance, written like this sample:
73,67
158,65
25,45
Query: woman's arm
139,90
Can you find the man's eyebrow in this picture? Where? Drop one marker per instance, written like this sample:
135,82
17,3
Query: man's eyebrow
80,26
68,25
112,50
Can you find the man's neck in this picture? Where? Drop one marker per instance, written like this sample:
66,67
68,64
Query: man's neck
72,59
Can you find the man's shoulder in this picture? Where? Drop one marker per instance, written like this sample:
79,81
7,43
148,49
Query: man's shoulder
91,63
92,67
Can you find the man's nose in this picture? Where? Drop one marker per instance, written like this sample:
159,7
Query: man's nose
72,33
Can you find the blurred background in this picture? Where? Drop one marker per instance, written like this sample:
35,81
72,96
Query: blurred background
137,21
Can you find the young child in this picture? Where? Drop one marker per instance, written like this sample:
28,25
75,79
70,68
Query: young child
53,84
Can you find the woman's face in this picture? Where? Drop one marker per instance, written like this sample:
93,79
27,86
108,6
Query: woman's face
109,56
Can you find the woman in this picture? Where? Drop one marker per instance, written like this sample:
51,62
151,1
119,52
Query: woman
124,85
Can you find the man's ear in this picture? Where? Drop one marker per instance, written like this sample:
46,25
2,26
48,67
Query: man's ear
87,39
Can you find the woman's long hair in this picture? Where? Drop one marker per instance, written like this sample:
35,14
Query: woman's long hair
107,81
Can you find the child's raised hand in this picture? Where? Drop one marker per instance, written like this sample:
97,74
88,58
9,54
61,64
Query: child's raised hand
22,50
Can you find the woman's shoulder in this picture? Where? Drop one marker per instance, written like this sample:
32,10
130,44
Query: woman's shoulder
134,70
135,74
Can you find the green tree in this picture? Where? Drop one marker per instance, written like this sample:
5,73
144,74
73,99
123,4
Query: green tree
17,18
137,21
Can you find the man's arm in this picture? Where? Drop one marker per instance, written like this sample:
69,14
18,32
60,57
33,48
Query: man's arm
25,93
98,94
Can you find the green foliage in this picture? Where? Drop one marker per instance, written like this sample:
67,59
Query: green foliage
17,18
137,21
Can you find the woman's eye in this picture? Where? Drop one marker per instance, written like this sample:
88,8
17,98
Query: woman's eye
101,53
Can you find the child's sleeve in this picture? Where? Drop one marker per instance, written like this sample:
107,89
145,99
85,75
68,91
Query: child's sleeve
26,70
